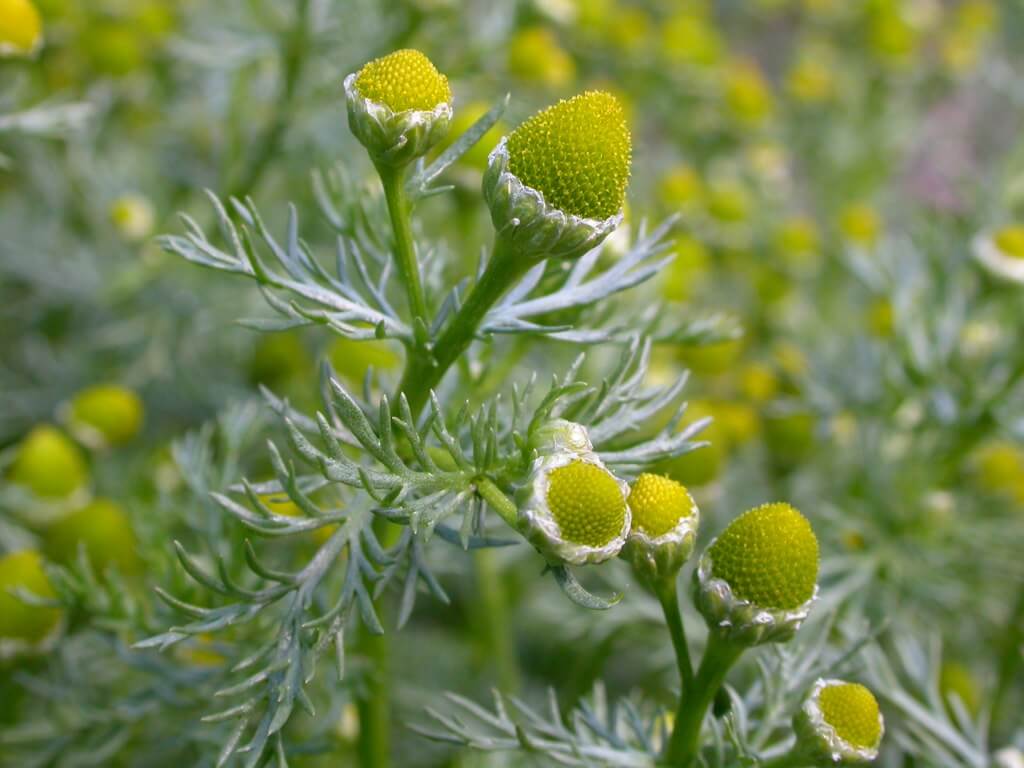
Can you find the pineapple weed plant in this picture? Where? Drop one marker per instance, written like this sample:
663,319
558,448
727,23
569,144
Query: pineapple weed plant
894,422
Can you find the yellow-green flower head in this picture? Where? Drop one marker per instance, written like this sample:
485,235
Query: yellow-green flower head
757,580
403,80
860,224
1001,252
586,502
769,556
399,106
21,28
24,627
556,185
105,415
49,464
665,520
535,56
573,509
132,216
103,529
839,723
576,153
789,434
747,93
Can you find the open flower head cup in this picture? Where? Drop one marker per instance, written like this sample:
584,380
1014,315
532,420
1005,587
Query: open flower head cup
1001,253
664,529
556,185
839,723
399,106
573,510
757,581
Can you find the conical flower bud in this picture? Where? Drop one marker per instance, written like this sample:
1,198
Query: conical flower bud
399,106
665,520
556,185
25,628
839,723
104,415
49,465
574,510
756,582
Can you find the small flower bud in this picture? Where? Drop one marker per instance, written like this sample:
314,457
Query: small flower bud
561,435
839,723
49,464
25,628
105,415
665,520
556,185
132,216
399,106
1002,253
105,532
574,510
756,582
21,28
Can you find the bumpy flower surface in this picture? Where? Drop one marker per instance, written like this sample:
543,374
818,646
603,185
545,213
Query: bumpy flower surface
403,80
112,411
658,504
768,556
851,709
587,503
1010,241
49,464
576,153
21,28
19,620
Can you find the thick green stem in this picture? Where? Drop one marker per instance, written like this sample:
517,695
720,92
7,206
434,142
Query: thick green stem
495,628
498,501
667,595
693,704
393,181
424,372
375,705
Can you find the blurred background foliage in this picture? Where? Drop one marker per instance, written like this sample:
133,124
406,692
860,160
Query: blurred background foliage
838,168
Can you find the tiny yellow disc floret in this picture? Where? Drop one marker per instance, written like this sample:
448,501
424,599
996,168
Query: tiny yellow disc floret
1010,240
577,153
587,503
21,28
769,556
851,709
404,80
658,504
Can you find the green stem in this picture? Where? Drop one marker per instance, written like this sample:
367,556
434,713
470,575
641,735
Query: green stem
293,54
425,371
718,659
669,599
789,760
498,501
495,629
374,705
393,181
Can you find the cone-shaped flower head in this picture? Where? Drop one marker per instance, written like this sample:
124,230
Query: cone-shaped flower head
21,28
49,464
25,627
403,80
756,581
576,154
839,723
573,509
665,520
1002,252
399,106
105,415
556,185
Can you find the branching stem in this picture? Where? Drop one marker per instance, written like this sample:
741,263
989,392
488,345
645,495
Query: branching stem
393,181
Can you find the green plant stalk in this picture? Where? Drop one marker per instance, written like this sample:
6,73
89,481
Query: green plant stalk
393,181
1009,657
719,657
669,599
374,744
495,628
425,372
789,760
